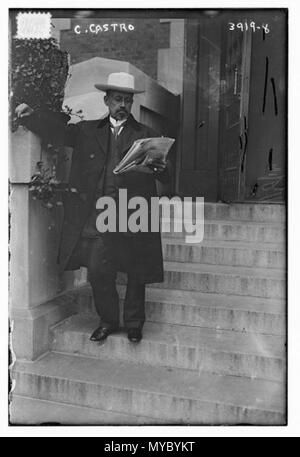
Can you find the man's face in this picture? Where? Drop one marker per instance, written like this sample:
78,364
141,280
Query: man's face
119,104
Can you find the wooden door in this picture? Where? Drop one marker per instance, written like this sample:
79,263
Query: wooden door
267,146
252,148
234,102
200,115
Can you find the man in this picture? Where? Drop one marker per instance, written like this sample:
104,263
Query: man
98,148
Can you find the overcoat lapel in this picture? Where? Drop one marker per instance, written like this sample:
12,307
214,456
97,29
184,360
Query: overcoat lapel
102,135
127,137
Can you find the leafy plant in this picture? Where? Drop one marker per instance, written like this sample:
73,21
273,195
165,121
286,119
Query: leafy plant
45,187
39,71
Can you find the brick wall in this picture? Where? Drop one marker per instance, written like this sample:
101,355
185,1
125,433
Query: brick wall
139,47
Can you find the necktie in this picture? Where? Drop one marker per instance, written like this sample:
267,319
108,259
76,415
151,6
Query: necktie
116,129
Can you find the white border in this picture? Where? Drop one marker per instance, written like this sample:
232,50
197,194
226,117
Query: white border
293,429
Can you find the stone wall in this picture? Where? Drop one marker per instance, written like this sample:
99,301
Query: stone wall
34,238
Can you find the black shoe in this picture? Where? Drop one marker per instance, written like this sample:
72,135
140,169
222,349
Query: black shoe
135,335
101,333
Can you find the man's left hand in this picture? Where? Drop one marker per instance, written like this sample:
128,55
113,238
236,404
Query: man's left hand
157,165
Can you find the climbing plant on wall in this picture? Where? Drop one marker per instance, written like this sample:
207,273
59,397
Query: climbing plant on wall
39,71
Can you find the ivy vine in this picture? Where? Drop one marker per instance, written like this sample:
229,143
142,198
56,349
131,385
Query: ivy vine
39,71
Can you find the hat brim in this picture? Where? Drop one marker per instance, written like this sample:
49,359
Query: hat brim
105,87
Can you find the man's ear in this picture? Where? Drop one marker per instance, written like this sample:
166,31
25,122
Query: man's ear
105,98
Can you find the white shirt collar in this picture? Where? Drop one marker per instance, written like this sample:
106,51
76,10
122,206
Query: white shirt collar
116,123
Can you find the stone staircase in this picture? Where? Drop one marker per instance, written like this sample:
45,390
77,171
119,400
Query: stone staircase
213,350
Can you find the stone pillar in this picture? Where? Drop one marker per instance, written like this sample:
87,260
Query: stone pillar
34,238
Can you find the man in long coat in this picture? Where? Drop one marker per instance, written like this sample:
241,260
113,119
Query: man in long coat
98,148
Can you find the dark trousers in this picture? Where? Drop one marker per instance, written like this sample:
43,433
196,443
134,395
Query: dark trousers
96,255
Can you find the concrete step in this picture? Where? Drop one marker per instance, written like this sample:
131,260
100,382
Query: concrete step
262,255
31,411
165,394
260,232
255,282
179,346
240,212
225,312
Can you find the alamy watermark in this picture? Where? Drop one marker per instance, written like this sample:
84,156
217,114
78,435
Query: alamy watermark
187,216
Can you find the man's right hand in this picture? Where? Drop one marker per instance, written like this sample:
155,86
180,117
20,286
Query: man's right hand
23,110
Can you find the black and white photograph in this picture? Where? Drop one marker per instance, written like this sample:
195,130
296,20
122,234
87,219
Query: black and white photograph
148,153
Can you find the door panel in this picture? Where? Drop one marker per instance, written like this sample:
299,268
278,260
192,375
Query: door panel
233,139
267,154
199,147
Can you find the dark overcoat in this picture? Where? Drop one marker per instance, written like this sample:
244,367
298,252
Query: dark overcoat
141,252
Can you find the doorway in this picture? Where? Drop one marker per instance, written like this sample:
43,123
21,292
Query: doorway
233,145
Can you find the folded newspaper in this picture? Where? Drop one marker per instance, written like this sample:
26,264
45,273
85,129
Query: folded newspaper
141,152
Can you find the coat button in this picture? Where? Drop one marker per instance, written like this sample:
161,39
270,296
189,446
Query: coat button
92,156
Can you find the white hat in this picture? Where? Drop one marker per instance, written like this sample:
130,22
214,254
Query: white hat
124,82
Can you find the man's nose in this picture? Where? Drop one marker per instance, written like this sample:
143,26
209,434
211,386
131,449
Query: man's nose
123,103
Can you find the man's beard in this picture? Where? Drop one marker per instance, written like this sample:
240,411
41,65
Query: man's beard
121,115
